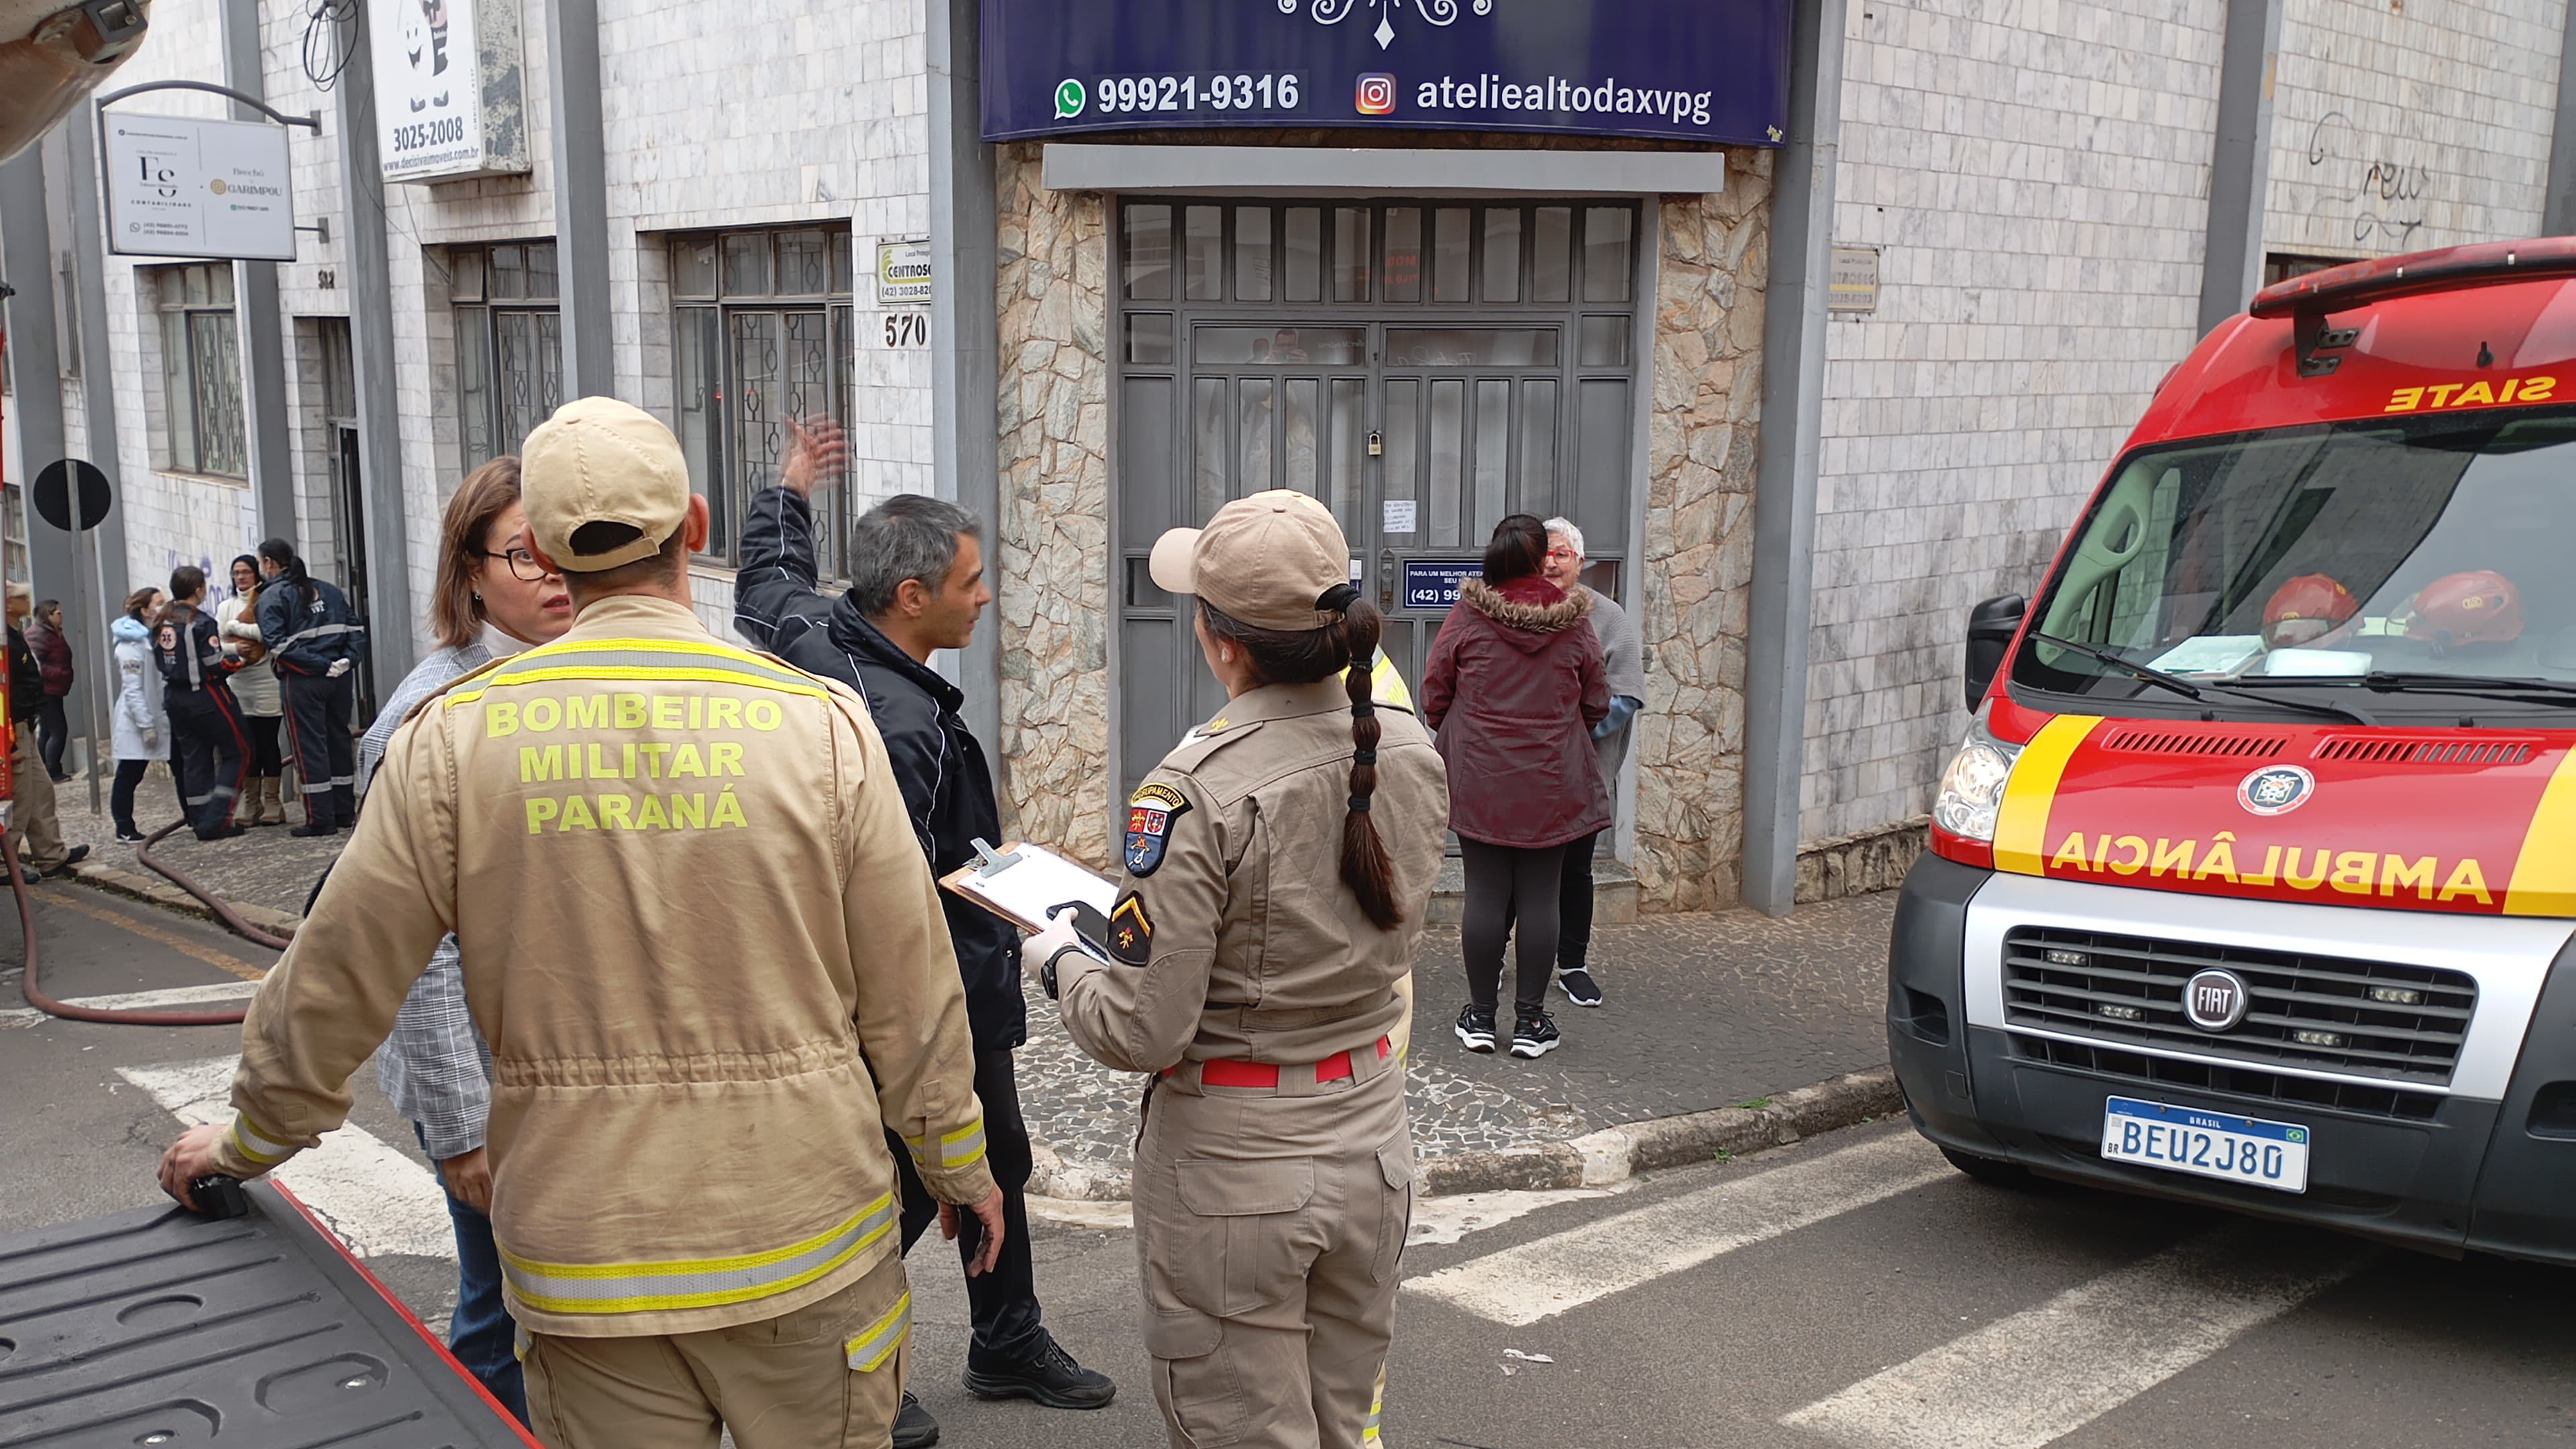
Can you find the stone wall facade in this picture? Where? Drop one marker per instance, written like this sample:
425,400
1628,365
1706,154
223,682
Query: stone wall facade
1052,546
1703,438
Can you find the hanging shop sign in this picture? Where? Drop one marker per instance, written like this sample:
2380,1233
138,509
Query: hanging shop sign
450,98
1693,70
186,186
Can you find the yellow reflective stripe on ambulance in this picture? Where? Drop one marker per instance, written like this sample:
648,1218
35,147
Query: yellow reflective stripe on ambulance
2544,876
694,1282
882,1337
961,1148
641,659
258,1146
2021,824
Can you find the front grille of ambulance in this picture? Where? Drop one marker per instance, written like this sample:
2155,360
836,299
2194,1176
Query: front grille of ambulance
2377,1019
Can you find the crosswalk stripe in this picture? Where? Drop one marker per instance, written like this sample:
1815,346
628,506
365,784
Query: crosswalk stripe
376,1199
1535,1280
2103,1342
19,1016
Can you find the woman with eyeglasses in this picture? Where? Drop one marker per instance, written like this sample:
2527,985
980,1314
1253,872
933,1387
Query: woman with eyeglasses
435,1068
255,686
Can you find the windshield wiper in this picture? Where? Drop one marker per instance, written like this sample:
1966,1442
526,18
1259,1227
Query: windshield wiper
2489,686
2149,674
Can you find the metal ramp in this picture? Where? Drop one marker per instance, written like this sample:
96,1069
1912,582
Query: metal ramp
157,1327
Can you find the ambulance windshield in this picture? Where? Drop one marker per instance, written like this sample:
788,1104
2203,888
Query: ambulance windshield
2368,562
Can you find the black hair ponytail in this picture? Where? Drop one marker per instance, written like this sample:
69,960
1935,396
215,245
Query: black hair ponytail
1365,867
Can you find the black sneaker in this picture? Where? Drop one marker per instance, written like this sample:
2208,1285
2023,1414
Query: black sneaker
222,832
913,1427
312,828
73,857
1476,1027
1049,1376
1533,1036
131,837
1579,987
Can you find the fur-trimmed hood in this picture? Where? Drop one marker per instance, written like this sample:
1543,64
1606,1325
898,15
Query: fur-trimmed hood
1526,622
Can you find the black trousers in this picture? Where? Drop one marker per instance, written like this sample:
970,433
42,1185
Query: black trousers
1004,1302
318,709
52,734
1574,906
205,727
120,796
265,760
1506,884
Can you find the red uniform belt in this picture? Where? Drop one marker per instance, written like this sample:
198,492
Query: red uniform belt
1227,1072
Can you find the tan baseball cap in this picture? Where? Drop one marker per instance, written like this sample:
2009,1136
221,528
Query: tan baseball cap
598,460
1266,560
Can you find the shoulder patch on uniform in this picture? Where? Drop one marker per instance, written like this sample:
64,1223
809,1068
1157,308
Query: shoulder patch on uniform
1131,931
1150,813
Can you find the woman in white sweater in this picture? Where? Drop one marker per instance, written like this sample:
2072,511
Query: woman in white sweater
255,685
142,733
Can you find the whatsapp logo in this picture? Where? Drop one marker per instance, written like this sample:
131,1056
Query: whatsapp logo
1070,98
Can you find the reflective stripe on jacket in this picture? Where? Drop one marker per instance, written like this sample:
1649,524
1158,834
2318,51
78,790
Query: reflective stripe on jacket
699,935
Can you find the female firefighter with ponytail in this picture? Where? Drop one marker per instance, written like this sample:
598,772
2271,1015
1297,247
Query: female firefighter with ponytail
1278,862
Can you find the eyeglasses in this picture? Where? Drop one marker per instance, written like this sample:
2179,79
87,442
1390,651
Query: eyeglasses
523,564
1563,553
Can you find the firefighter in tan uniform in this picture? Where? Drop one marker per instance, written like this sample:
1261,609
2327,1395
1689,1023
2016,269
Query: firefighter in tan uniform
700,938
1278,866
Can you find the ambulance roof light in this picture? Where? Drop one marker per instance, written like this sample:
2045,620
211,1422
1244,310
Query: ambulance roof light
2359,284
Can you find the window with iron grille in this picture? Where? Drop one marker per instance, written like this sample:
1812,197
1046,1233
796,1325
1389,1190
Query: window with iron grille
201,369
761,333
509,344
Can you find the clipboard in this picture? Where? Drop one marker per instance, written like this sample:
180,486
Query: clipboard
1022,882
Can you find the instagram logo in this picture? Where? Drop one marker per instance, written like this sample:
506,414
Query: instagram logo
1377,94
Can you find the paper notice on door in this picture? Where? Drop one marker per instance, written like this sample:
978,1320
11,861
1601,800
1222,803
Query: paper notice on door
1399,515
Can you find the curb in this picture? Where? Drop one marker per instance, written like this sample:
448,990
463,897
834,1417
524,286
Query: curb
1599,1159
161,893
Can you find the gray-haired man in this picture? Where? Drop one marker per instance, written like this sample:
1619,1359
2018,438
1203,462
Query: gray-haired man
917,587
1627,676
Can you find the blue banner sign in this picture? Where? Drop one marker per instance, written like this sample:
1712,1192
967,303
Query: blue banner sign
1432,583
1691,70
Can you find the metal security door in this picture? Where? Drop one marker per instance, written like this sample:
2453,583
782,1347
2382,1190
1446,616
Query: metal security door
1423,370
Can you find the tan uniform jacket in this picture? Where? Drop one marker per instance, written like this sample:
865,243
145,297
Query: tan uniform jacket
699,936
1250,946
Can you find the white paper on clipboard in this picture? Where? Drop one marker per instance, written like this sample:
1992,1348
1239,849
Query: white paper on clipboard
1035,881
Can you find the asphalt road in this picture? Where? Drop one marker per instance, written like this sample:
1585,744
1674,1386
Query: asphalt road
1848,1291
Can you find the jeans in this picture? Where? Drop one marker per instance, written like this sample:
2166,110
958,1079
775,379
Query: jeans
480,1332
120,796
52,734
1003,1302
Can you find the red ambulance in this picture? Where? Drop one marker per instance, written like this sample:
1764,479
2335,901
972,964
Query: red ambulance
2254,880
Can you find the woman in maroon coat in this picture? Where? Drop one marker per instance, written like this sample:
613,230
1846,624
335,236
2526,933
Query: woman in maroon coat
1513,689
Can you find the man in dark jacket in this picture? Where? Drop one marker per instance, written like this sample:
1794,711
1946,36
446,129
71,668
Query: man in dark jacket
33,820
918,587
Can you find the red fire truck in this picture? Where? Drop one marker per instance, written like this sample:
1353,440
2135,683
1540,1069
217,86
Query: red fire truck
2254,880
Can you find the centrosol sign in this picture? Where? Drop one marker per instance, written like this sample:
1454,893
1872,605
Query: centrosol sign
450,98
185,186
1693,70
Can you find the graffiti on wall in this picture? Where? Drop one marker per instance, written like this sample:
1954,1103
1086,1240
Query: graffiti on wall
2371,185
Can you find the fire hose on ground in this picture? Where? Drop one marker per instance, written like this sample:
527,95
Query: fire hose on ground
223,909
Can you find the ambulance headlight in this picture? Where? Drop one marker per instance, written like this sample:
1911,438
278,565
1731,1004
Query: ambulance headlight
1972,784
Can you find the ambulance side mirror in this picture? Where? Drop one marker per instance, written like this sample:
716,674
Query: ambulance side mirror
1991,627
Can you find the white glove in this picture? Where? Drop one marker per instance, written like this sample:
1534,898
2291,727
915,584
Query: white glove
338,668
151,739
1034,950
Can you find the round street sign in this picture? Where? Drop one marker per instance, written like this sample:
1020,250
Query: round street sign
56,486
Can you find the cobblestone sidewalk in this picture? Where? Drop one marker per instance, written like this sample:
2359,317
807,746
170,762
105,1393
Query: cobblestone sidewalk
264,867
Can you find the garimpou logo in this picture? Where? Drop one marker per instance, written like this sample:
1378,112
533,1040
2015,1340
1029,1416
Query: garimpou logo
2275,789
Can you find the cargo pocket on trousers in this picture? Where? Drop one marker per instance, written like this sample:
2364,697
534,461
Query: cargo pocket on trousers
1200,1385
1244,1211
1395,1205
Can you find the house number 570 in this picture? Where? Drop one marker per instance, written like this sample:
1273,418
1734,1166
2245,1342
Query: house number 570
907,329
